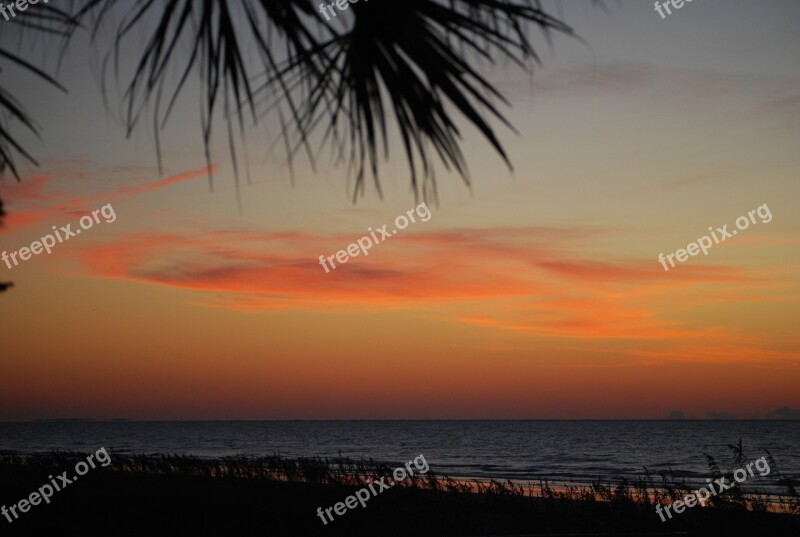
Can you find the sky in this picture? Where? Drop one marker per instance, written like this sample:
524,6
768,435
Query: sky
534,293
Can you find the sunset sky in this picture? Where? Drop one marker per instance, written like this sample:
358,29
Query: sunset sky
536,293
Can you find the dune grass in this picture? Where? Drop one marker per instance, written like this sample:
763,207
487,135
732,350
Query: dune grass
274,495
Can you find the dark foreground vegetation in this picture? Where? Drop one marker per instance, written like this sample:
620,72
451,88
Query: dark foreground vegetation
177,496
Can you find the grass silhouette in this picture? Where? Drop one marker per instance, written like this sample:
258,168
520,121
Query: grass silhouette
273,495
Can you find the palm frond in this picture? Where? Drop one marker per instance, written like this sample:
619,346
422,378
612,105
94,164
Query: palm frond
3,285
420,67
415,61
39,18
216,34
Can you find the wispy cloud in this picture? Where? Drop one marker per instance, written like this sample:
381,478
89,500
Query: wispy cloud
564,294
37,199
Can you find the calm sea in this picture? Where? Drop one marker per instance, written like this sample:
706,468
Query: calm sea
563,451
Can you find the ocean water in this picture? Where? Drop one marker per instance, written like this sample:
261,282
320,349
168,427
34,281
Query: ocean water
563,451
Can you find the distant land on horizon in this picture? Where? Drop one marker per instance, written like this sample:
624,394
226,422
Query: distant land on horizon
780,414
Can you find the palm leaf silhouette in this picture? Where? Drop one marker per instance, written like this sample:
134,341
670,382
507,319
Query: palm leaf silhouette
413,62
417,68
3,285
39,18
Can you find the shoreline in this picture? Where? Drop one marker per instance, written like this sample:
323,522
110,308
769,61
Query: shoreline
280,496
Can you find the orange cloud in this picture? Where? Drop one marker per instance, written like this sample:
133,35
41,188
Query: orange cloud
563,296
39,203
284,268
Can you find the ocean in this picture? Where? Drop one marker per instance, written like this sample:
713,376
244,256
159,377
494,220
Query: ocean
576,452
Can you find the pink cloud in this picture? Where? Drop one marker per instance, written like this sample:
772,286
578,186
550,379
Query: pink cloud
39,203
